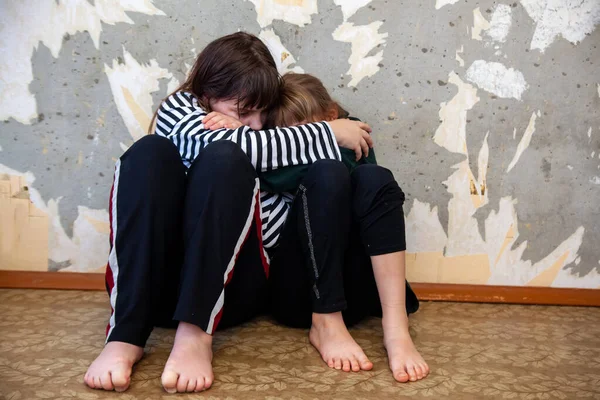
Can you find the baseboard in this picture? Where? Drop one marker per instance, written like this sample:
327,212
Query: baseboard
51,280
424,291
507,294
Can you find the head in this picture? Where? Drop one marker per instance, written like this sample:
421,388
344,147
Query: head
304,99
237,76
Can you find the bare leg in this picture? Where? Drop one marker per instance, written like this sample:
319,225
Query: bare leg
338,349
111,370
189,367
405,361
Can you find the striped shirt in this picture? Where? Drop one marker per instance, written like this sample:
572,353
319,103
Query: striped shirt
180,120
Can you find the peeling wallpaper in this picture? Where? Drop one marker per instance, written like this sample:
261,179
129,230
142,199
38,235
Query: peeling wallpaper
487,113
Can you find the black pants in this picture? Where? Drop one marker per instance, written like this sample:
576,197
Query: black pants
337,221
181,244
188,247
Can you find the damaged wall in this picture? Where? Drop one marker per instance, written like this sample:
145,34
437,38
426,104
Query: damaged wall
488,114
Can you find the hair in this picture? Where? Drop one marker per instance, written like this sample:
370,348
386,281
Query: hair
303,98
237,66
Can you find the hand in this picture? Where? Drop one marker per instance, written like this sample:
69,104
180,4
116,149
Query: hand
353,135
216,120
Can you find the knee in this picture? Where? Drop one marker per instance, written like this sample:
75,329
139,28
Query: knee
329,177
152,151
371,182
222,150
369,178
224,158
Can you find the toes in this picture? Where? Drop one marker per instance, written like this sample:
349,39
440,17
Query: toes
425,369
89,380
346,365
208,382
200,385
330,363
337,363
97,383
169,381
191,386
120,379
364,363
106,381
411,372
400,375
182,384
419,371
354,364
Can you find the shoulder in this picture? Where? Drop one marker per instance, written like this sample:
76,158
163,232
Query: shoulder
181,100
177,109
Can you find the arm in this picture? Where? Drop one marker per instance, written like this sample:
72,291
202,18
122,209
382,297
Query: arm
180,119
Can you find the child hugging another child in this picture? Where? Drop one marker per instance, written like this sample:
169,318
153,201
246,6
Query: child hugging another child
340,256
190,227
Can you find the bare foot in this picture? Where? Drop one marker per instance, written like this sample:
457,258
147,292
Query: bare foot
111,370
338,349
189,368
405,361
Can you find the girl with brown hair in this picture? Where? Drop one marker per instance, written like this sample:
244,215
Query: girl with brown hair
190,228
356,266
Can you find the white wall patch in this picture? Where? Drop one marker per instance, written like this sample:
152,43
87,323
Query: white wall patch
458,58
29,22
441,3
567,279
350,7
500,23
294,12
524,142
282,56
495,78
451,133
479,24
363,39
424,232
573,20
132,84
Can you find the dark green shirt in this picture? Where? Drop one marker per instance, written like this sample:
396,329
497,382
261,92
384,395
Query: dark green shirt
288,179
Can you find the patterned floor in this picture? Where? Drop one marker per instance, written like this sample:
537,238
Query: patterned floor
48,338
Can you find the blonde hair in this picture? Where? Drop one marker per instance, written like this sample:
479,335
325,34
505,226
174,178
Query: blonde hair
303,98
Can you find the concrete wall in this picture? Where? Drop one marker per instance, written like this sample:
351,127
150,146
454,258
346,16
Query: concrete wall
487,112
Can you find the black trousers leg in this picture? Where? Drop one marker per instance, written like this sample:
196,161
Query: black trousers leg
224,271
176,240
375,226
377,202
306,269
146,210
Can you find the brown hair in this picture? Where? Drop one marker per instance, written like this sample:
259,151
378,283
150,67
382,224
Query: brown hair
237,66
303,98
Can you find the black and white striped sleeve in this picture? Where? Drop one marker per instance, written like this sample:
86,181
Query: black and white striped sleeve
180,120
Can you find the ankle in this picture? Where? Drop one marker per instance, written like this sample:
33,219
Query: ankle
397,325
187,331
323,321
126,351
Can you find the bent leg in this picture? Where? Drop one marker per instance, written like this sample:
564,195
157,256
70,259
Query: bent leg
145,259
307,285
222,274
377,203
